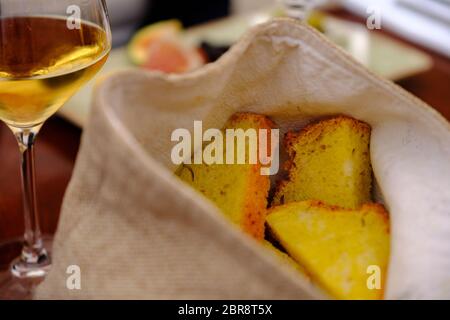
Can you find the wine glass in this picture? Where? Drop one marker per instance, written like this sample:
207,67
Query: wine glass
48,50
300,9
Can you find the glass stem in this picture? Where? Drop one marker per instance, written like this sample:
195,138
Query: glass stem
299,9
33,249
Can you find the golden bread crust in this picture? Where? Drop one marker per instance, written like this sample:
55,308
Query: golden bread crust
240,191
336,246
314,135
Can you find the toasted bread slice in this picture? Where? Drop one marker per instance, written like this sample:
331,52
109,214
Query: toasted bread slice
338,247
239,190
284,257
330,162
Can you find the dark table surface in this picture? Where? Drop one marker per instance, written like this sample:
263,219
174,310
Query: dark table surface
58,144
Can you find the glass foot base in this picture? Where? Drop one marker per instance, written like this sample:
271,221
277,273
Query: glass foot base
17,281
21,269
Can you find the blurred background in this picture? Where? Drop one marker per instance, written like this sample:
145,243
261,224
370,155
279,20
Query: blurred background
396,39
423,21
128,15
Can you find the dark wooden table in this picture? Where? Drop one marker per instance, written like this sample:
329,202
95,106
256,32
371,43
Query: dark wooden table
58,144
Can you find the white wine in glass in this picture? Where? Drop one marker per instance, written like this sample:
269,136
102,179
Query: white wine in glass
48,50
